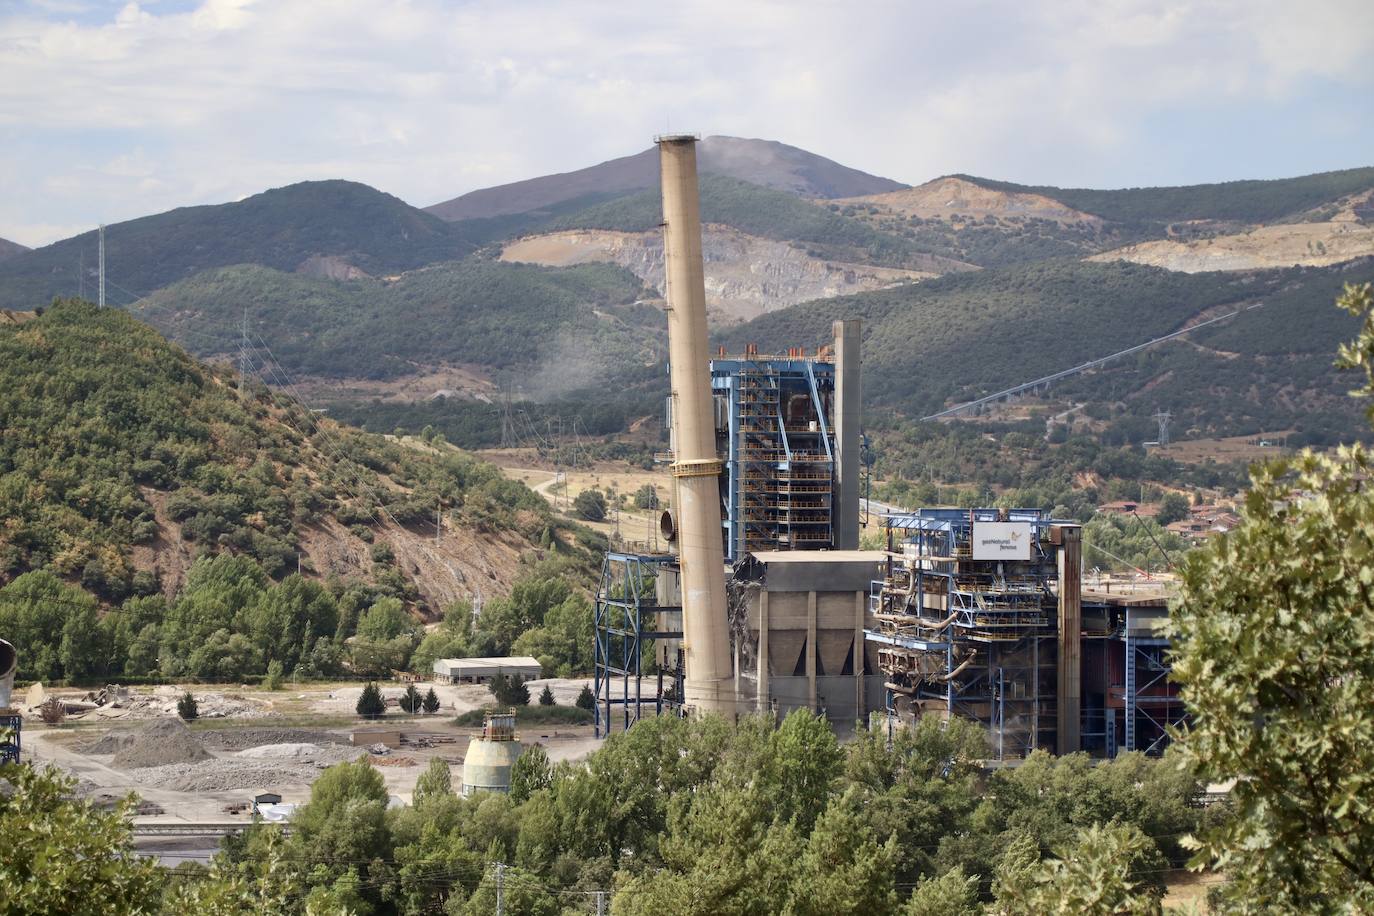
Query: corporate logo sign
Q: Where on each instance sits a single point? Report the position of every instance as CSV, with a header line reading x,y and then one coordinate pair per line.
x,y
1002,540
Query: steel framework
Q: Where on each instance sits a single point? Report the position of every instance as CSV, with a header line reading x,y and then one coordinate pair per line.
x,y
10,744
628,622
1151,699
773,429
965,637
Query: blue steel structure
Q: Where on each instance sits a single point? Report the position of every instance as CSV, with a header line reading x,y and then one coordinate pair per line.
x,y
628,623
776,440
970,638
10,743
1150,700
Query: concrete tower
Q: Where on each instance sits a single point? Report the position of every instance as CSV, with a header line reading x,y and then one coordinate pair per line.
x,y
709,683
847,417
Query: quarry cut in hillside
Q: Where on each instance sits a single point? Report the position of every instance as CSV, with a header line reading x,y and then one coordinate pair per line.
x,y
1289,245
746,276
946,197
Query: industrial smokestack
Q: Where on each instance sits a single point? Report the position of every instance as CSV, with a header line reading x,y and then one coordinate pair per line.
x,y
709,686
9,663
847,416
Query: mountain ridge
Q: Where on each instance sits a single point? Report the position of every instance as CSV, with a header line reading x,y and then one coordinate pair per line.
x,y
9,249
282,228
767,163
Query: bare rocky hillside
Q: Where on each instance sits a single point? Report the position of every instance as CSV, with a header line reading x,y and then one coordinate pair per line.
x,y
746,276
951,196
1288,245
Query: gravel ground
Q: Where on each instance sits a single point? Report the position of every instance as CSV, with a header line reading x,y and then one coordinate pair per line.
x,y
239,739
224,775
312,752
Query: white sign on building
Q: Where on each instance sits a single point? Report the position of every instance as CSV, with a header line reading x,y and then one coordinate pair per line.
x,y
1002,540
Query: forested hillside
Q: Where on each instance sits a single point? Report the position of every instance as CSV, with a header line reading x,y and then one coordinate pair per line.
x,y
354,225
578,322
1235,201
123,459
956,338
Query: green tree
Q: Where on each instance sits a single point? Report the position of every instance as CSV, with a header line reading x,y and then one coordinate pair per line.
x,y
951,894
273,679
431,702
341,835
66,856
1274,646
509,691
370,702
530,773
546,696
187,708
646,497
1173,508
590,505
1093,874
411,699
434,782
585,698
385,620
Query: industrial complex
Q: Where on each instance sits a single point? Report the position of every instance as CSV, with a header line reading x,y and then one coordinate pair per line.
x,y
766,603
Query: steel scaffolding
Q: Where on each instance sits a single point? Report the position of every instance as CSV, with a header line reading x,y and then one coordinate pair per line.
x,y
1151,700
965,637
628,623
773,430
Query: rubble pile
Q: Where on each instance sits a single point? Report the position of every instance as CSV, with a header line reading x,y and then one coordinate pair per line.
x,y
161,742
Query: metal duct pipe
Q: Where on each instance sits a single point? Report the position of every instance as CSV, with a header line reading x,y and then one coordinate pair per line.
x,y
9,663
846,423
709,685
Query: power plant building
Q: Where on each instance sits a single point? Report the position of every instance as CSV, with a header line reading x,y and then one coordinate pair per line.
x,y
766,604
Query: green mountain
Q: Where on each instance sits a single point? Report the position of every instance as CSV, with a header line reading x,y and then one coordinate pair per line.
x,y
573,322
10,249
328,227
1234,201
124,459
765,163
957,338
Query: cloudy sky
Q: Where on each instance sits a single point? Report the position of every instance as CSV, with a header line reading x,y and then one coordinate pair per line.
x,y
115,110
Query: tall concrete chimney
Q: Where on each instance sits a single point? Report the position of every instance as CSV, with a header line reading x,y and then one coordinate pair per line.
x,y
847,414
1069,705
709,685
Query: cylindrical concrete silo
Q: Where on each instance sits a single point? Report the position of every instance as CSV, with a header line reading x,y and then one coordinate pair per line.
x,y
491,755
709,685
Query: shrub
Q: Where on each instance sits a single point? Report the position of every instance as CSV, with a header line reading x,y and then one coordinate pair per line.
x,y
186,707
590,505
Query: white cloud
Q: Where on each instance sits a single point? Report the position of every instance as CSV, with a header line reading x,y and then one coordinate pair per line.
x,y
427,99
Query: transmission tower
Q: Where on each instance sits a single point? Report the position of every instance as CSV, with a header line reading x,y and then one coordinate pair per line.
x,y
245,364
508,439
1163,417
102,265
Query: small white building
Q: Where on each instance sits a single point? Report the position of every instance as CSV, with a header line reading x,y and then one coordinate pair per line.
x,y
483,670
